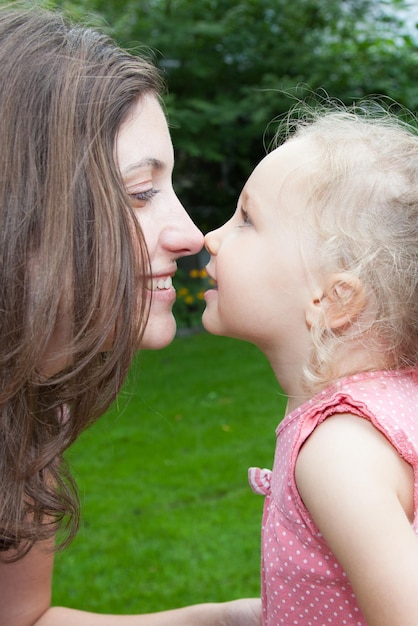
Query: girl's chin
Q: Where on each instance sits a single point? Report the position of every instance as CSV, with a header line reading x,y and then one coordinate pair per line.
x,y
209,323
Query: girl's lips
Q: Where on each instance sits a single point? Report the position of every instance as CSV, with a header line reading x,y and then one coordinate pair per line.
x,y
210,293
211,278
214,285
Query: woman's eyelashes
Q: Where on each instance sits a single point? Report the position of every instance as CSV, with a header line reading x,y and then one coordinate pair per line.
x,y
140,198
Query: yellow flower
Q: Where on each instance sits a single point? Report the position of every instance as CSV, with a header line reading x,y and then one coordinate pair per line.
x,y
200,295
189,299
183,292
203,273
194,273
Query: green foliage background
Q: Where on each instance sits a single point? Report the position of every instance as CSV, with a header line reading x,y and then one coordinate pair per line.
x,y
233,67
168,518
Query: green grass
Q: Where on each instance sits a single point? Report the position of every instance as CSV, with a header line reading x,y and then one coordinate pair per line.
x,y
168,516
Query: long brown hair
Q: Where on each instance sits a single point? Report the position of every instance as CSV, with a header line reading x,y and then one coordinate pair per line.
x,y
71,254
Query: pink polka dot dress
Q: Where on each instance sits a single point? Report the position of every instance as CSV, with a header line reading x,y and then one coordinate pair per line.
x,y
302,582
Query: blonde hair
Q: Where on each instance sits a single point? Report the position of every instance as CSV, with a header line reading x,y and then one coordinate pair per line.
x,y
69,243
364,204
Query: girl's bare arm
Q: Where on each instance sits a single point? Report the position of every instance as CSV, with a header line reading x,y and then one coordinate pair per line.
x,y
359,491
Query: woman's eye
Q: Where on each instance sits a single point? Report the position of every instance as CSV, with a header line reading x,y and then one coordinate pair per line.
x,y
140,198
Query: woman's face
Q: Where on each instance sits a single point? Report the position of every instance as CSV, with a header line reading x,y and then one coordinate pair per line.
x,y
144,153
145,157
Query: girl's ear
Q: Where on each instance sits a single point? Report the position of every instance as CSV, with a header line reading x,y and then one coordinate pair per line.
x,y
339,304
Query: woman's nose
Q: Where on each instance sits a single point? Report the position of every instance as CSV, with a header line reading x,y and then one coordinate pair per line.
x,y
182,236
195,237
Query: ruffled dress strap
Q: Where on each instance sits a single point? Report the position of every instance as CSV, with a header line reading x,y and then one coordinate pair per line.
x,y
260,480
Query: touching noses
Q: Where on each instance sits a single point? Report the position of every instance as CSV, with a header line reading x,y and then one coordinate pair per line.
x,y
212,241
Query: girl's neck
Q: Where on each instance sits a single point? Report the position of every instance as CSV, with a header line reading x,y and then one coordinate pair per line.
x,y
290,372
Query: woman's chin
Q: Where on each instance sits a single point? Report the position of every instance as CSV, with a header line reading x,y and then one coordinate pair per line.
x,y
159,333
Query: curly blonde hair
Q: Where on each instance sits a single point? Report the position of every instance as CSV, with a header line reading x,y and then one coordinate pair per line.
x,y
364,209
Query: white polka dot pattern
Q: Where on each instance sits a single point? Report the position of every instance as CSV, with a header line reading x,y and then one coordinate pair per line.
x,y
302,582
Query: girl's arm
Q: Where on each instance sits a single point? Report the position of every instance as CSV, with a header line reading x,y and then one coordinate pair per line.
x,y
359,491
25,595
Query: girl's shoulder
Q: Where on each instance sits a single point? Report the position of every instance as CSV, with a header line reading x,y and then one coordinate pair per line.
x,y
387,398
380,381
384,388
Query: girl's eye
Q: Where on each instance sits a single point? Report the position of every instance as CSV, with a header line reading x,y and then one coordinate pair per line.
x,y
245,218
140,198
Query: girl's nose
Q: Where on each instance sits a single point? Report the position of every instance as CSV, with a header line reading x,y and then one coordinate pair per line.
x,y
212,242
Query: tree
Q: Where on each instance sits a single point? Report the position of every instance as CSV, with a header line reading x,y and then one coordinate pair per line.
x,y
234,67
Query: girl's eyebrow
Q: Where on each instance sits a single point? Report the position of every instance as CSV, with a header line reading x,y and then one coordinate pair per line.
x,y
147,162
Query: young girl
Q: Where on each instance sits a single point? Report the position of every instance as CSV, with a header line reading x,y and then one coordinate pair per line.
x,y
90,231
319,268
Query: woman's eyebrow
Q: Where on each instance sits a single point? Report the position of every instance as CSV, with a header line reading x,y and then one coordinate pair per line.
x,y
147,162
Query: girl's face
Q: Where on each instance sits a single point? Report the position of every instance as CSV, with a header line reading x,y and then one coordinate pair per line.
x,y
145,156
259,258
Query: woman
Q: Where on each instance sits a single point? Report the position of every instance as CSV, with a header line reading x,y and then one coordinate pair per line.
x,y
90,233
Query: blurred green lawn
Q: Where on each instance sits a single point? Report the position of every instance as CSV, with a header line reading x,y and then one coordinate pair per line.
x,y
168,518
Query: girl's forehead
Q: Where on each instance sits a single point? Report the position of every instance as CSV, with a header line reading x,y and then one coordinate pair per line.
x,y
281,185
287,166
